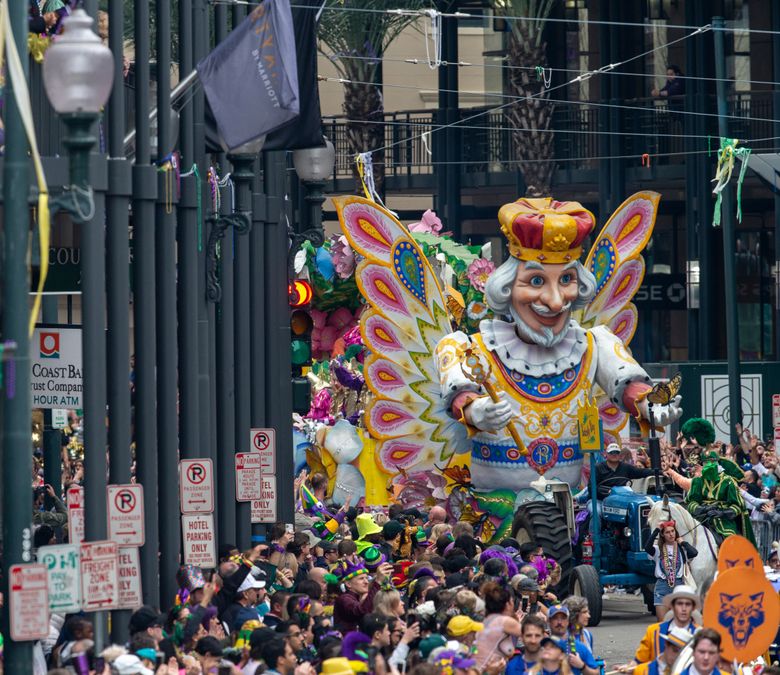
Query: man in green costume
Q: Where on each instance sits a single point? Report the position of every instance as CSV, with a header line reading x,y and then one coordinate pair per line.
x,y
714,497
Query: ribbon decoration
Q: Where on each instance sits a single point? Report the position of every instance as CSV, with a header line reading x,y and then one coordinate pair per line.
x,y
365,169
726,156
22,97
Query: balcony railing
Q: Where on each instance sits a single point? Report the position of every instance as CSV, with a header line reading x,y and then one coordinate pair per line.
x,y
651,126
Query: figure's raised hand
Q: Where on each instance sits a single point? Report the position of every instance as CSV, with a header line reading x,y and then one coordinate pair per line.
x,y
663,415
486,415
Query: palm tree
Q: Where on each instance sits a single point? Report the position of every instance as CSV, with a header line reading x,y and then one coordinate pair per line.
x,y
353,35
531,115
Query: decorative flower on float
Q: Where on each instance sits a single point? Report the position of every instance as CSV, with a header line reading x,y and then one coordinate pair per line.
x,y
429,224
343,257
478,272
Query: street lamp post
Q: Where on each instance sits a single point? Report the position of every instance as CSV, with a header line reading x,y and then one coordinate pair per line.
x,y
78,72
314,167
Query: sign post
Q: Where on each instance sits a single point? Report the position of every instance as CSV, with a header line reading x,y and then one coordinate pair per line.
x,y
130,596
197,531
264,442
126,514
29,608
75,496
99,576
263,510
196,481
62,566
248,476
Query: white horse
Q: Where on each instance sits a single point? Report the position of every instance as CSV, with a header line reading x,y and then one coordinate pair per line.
x,y
705,564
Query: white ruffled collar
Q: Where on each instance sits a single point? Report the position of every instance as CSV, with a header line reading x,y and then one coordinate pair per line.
x,y
530,359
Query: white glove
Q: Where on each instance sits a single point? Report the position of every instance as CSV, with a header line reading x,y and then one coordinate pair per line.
x,y
489,416
663,415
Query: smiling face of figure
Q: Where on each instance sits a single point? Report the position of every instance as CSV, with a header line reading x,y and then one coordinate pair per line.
x,y
542,299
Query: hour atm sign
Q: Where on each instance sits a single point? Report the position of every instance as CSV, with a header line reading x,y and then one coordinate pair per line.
x,y
196,481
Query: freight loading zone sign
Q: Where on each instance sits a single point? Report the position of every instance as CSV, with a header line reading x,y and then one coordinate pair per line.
x,y
99,576
55,368
263,510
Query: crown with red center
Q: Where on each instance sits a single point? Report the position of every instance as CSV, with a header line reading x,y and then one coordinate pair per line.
x,y
545,230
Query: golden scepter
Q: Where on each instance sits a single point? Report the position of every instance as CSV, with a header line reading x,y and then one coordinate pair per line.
x,y
475,370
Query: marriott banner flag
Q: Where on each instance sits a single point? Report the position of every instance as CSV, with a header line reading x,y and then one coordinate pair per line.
x,y
251,78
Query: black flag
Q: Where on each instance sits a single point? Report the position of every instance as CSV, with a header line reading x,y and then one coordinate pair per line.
x,y
251,78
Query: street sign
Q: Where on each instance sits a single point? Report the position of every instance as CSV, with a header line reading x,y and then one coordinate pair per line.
x,y
129,578
197,531
55,368
248,476
59,418
263,510
29,610
126,514
62,566
777,439
99,576
196,481
776,410
264,442
75,496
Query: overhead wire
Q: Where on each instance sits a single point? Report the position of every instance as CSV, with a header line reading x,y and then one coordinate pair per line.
x,y
465,15
466,64
542,95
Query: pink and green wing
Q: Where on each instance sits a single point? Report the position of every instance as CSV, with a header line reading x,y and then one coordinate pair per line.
x,y
405,319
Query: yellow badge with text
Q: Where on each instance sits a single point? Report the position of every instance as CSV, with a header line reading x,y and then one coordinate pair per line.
x,y
589,426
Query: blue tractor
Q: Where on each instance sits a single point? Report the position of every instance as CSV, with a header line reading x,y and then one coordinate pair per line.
x,y
594,552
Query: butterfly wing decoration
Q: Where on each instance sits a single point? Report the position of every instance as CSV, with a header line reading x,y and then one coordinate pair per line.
x,y
617,264
663,392
405,319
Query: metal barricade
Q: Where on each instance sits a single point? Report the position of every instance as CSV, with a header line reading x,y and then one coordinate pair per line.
x,y
765,533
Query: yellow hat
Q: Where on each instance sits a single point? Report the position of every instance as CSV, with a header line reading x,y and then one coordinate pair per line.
x,y
338,665
462,625
366,525
546,230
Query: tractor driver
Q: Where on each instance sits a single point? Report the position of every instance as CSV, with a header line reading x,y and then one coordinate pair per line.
x,y
613,472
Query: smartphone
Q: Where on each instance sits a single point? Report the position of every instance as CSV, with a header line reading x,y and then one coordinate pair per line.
x,y
524,604
289,528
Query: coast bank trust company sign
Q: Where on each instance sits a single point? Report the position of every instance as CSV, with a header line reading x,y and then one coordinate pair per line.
x,y
55,368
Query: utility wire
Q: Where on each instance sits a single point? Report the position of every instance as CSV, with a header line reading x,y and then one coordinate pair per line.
x,y
650,23
542,95
465,64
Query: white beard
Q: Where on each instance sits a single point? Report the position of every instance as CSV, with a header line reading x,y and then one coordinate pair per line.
x,y
544,338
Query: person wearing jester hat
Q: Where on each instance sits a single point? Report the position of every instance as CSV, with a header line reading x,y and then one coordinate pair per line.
x,y
544,363
326,524
714,497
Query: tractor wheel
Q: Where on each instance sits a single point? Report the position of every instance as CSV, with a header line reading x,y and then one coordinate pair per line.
x,y
585,582
648,595
542,523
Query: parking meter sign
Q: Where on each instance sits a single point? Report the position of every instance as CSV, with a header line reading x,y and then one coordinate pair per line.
x,y
62,566
196,482
29,602
264,442
126,514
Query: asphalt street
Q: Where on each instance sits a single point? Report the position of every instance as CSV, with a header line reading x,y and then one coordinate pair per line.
x,y
623,623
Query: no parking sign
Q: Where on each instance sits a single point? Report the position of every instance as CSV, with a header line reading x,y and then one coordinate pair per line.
x,y
196,479
264,442
126,514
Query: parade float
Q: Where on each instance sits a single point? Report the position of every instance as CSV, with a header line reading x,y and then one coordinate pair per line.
x,y
441,379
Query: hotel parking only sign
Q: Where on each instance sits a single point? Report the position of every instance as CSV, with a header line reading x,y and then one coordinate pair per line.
x,y
55,368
